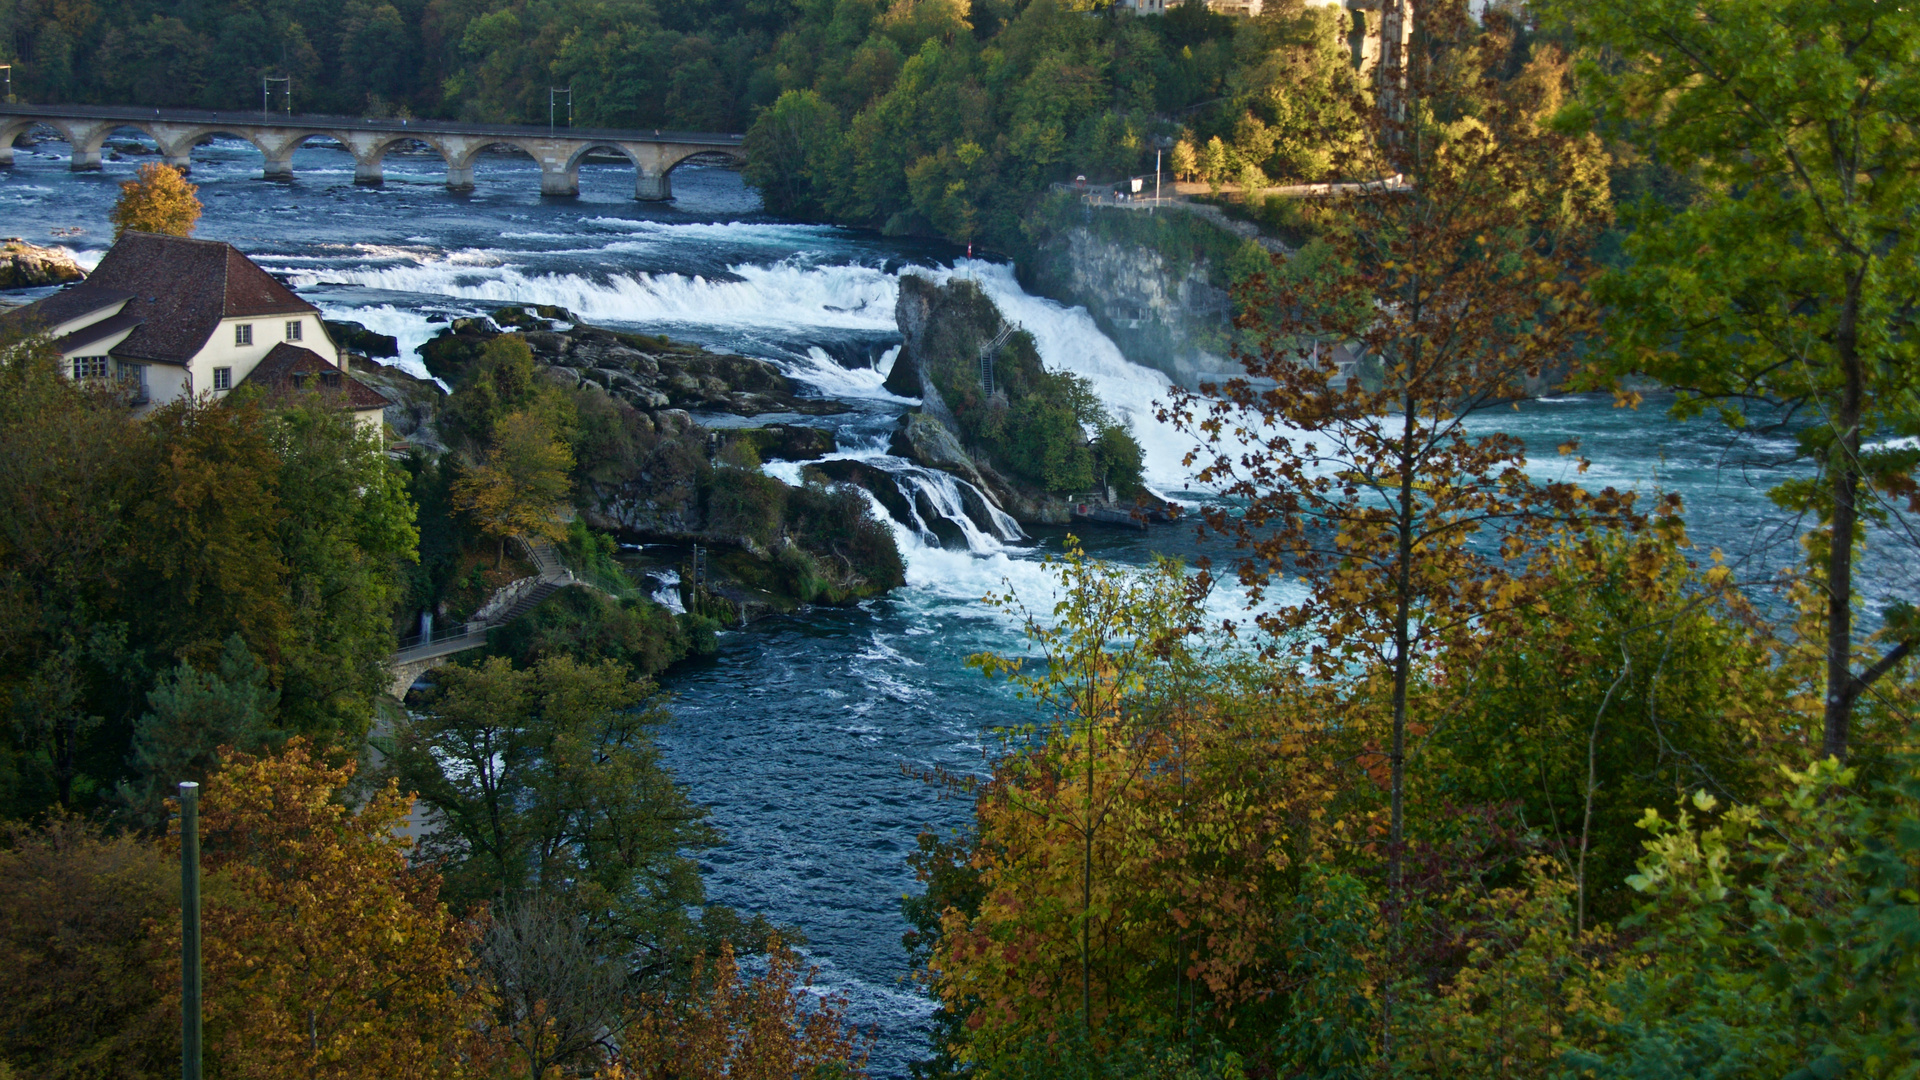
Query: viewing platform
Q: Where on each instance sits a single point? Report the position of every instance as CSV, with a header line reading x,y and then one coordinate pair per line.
x,y
558,151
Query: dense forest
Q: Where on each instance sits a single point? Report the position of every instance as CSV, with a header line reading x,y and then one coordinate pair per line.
x,y
928,116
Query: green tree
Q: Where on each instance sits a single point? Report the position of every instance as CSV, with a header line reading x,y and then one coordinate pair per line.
x,y
195,715
546,779
794,155
1794,276
1183,162
159,201
1779,939
1216,164
347,535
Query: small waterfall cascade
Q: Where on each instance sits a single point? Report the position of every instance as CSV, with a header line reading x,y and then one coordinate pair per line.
x,y
941,504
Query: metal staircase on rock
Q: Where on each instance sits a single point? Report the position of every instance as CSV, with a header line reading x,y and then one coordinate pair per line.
x,y
987,353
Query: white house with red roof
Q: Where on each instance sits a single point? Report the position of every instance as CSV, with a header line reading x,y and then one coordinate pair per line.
x,y
168,317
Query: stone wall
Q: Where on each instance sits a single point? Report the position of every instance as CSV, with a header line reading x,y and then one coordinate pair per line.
x,y
1164,311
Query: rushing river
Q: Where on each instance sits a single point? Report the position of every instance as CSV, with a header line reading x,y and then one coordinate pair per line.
x,y
801,733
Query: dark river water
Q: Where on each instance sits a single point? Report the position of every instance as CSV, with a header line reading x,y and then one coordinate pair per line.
x,y
801,733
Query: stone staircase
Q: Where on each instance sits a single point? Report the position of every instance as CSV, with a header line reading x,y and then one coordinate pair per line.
x,y
412,661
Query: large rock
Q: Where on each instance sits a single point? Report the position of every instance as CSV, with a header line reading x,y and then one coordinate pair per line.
x,y
646,372
27,266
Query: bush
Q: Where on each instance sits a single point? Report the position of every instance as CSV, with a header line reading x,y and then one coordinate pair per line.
x,y
744,503
589,626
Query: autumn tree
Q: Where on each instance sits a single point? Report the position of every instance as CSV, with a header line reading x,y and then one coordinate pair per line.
x,y
1141,873
1790,276
159,201
521,486
91,991
731,1027
327,954
1369,481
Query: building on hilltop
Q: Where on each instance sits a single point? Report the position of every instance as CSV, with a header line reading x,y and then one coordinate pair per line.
x,y
168,318
1161,7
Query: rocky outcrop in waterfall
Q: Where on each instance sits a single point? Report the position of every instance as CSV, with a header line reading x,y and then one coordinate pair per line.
x,y
646,470
1037,442
28,266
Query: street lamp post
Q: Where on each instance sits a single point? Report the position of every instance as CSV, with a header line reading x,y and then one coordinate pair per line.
x,y
8,68
266,82
189,931
552,93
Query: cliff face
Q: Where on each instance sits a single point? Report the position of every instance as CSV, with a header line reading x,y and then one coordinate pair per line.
x,y
1164,312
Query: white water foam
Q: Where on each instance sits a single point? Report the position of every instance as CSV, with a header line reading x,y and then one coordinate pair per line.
x,y
782,295
825,374
410,329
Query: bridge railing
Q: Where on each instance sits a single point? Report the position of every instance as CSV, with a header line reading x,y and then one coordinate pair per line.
x,y
322,122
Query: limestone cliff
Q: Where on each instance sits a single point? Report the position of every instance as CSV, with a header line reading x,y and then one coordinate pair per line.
x,y
1156,286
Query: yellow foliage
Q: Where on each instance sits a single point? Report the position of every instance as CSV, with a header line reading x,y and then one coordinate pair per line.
x,y
159,201
326,954
519,489
731,1028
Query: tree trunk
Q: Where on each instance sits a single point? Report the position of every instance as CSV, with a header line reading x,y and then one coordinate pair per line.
x,y
1397,758
1086,901
1845,469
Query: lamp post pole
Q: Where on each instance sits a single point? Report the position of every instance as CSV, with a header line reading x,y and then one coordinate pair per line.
x,y
8,68
189,931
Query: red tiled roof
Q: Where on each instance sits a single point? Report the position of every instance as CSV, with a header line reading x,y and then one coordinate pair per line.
x,y
289,368
180,289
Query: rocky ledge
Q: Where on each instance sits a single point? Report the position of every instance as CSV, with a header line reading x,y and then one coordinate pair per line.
x,y
646,372
28,266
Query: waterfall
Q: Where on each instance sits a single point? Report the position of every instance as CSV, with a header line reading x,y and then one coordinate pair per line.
x,y
944,496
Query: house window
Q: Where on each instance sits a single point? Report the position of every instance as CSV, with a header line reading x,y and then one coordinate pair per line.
x,y
243,334
223,378
89,367
330,379
293,330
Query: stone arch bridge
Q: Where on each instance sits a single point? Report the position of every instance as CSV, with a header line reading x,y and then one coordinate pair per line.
x,y
559,152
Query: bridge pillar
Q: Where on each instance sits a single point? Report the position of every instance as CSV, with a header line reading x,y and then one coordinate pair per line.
x,y
557,179
368,173
277,168
653,187
460,177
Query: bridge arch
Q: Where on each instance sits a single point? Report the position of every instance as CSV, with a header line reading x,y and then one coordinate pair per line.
x,y
278,147
672,157
177,143
12,127
83,137
370,151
